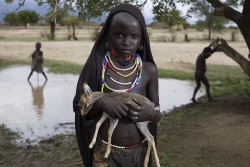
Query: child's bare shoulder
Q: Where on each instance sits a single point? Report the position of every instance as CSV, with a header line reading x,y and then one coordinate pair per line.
x,y
150,68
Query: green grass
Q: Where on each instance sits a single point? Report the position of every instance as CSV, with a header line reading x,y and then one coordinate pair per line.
x,y
223,79
63,67
9,62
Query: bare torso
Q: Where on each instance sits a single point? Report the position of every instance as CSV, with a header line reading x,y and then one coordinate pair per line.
x,y
126,132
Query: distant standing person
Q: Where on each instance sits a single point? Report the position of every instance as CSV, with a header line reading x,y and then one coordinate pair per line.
x,y
200,72
37,61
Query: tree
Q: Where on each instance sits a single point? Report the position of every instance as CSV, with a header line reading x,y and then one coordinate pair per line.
x,y
205,10
172,18
84,9
52,19
27,16
220,9
11,19
70,20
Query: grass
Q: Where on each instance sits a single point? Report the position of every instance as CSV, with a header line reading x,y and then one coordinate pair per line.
x,y
9,62
63,67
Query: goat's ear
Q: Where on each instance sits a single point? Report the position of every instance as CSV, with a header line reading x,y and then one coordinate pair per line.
x,y
217,40
86,89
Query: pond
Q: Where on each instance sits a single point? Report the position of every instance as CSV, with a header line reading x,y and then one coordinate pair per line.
x,y
39,109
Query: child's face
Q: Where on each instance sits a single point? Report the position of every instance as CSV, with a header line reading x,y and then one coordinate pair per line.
x,y
38,46
125,34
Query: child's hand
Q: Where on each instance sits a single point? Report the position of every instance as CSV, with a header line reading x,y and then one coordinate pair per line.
x,y
113,107
139,112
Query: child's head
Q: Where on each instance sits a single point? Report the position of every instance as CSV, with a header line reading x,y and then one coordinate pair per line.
x,y
38,45
124,34
126,13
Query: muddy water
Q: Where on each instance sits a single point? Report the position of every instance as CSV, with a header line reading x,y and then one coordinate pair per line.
x,y
39,109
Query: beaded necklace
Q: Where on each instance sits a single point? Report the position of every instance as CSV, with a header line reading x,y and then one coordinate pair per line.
x,y
121,62
113,69
120,69
136,80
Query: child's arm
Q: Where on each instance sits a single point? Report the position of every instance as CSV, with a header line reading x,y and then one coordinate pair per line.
x,y
112,106
42,59
33,54
145,112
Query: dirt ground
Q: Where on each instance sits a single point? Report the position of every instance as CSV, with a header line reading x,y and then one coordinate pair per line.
x,y
219,137
178,55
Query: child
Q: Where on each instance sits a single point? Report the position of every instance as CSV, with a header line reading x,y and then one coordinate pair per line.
x,y
37,61
200,72
120,61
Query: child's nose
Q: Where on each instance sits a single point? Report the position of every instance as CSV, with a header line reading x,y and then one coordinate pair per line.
x,y
126,41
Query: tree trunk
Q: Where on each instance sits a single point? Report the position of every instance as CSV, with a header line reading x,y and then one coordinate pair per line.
x,y
223,46
69,34
209,33
52,30
74,31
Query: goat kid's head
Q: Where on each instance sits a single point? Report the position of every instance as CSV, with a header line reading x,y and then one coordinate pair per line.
x,y
85,101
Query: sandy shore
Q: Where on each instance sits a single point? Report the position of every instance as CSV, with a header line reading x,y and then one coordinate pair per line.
x,y
169,55
178,55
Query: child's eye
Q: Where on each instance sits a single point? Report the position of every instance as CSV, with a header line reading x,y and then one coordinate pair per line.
x,y
135,36
118,35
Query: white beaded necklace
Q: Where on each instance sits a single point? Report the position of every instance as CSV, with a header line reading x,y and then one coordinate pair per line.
x,y
120,69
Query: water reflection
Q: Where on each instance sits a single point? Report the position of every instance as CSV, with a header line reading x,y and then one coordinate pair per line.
x,y
38,100
174,93
48,109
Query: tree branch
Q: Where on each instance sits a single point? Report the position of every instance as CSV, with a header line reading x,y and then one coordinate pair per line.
x,y
20,5
223,46
226,11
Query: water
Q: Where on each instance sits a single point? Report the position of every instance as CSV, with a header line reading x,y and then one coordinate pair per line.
x,y
39,109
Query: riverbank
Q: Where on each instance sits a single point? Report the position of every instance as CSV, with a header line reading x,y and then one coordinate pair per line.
x,y
207,134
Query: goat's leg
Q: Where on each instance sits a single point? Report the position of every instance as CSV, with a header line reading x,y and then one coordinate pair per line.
x,y
155,153
97,127
143,126
113,124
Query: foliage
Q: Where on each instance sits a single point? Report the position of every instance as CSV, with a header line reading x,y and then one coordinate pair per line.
x,y
172,18
11,19
219,23
205,12
49,17
23,16
69,19
27,16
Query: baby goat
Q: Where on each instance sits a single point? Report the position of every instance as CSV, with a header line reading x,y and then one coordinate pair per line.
x,y
88,98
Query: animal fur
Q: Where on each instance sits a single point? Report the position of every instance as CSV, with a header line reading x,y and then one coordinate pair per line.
x,y
88,98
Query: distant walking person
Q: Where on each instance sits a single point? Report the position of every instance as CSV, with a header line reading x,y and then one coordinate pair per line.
x,y
200,72
37,61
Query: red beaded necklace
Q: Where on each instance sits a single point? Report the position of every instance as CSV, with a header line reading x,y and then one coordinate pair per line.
x,y
120,61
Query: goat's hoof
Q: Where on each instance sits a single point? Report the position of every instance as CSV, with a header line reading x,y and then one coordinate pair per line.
x,y
106,155
91,145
